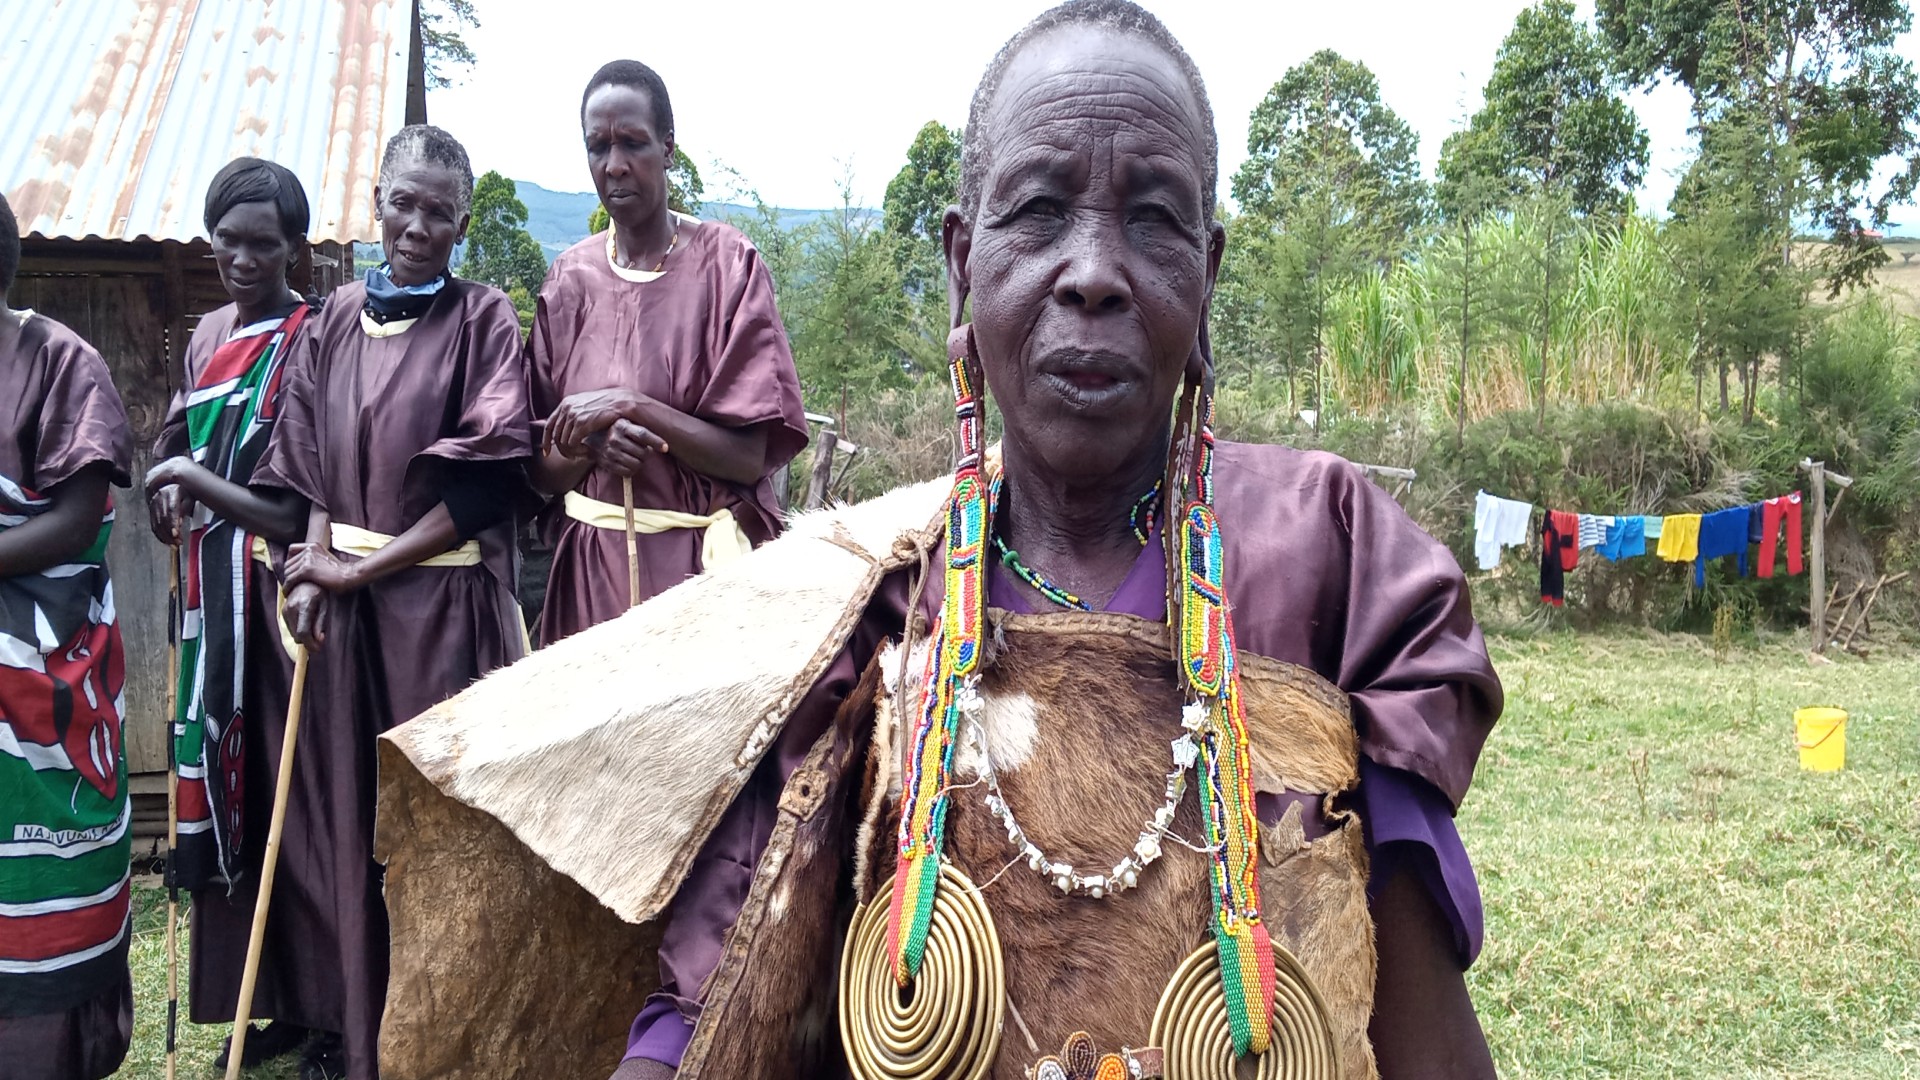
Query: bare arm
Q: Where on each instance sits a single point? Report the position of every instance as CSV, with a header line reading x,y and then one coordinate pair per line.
x,y
736,455
1424,1026
306,605
65,531
554,473
314,563
275,513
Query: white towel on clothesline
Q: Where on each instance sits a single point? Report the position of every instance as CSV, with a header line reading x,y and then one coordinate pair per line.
x,y
1498,523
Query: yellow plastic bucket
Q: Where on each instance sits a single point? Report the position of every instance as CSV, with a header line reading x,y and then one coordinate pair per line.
x,y
1822,735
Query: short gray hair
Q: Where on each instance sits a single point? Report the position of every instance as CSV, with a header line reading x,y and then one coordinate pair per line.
x,y
1121,16
422,144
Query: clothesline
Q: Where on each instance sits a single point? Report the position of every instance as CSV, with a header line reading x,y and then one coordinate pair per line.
x,y
1500,523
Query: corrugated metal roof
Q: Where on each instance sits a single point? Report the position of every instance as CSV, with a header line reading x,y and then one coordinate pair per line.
x,y
118,112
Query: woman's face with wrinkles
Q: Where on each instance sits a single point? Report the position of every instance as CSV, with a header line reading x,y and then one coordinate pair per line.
x,y
1091,257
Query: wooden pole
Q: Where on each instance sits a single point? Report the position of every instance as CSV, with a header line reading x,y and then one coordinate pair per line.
x,y
633,545
243,1009
821,478
1817,587
173,802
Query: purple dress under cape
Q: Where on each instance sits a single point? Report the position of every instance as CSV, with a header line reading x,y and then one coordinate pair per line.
x,y
1325,571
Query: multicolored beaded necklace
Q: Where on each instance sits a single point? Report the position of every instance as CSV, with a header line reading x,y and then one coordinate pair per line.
x,y
1204,643
1144,512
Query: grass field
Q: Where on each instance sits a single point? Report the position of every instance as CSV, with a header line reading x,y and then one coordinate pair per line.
x,y
1667,894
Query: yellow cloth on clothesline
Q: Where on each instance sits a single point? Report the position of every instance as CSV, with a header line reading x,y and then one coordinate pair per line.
x,y
1680,538
723,542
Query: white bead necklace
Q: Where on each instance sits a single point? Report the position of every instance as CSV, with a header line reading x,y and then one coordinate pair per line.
x,y
1124,874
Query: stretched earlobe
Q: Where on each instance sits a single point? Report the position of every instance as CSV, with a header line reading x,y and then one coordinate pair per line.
x,y
956,242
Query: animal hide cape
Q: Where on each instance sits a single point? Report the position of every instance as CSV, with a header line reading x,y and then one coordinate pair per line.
x,y
536,826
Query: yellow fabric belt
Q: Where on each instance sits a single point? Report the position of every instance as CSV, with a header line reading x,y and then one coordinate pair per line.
x,y
724,541
353,540
265,558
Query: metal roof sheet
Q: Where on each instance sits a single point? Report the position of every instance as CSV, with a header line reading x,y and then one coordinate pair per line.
x,y
118,112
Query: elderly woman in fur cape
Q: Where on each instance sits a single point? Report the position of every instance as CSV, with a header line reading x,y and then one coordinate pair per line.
x,y
1120,752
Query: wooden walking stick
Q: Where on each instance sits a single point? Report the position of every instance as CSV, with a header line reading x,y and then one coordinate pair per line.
x,y
633,548
173,800
243,1010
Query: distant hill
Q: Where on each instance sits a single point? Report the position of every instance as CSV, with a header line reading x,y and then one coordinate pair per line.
x,y
558,219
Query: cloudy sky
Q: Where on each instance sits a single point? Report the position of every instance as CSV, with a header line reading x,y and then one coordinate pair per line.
x,y
794,96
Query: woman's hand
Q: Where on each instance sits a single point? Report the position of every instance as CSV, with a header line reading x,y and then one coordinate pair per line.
x,y
586,414
625,447
307,614
312,564
167,503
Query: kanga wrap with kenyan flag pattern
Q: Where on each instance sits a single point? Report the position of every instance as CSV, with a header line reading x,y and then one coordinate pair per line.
x,y
229,417
64,823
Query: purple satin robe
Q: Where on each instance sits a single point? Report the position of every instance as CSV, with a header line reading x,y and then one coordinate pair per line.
x,y
704,338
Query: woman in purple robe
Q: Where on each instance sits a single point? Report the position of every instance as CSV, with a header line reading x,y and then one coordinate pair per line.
x,y
1085,239
657,357
66,996
227,747
404,425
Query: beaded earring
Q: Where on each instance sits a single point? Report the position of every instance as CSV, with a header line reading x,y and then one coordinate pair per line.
x,y
1204,640
951,689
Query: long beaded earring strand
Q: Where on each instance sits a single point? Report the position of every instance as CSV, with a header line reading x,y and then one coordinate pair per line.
x,y
1208,669
951,687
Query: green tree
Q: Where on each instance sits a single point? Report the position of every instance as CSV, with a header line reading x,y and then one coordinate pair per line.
x,y
499,249
1730,223
442,23
848,312
1322,143
1466,197
1553,118
685,192
1824,76
919,194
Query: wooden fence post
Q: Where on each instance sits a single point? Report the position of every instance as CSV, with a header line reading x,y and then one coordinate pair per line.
x,y
1817,584
821,476
1817,587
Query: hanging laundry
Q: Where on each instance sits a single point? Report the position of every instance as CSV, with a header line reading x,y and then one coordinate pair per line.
x,y
1651,525
1722,533
1559,552
1680,538
1593,530
1497,524
1626,539
1773,514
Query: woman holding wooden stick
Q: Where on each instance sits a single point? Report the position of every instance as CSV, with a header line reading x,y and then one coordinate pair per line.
x,y
404,425
659,365
235,669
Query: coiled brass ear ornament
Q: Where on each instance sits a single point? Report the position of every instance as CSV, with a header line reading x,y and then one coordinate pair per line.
x,y
946,1026
1190,1023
